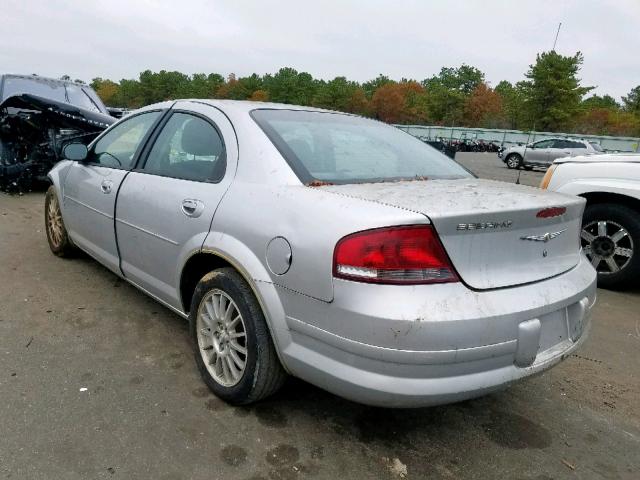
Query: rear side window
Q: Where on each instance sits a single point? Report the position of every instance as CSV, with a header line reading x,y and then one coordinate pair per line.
x,y
189,148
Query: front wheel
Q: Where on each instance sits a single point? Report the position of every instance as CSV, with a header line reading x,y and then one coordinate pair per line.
x,y
610,236
59,241
513,161
233,348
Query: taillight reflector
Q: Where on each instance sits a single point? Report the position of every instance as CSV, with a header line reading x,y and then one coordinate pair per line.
x,y
394,255
551,212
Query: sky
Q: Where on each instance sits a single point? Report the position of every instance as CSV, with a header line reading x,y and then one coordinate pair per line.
x,y
358,39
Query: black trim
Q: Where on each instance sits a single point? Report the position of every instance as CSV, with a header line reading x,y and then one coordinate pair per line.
x,y
144,154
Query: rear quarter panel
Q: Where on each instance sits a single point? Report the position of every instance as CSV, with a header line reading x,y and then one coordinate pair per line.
x,y
311,220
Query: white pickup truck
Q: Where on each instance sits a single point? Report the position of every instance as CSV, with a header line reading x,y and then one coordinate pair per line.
x,y
611,223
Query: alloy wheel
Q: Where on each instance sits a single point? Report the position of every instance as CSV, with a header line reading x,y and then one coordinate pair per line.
x,y
222,338
513,161
607,245
54,221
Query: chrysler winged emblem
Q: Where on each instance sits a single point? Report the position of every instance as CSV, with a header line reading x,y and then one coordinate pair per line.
x,y
543,238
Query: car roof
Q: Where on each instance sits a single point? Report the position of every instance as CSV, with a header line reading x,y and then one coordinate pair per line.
x,y
40,79
248,105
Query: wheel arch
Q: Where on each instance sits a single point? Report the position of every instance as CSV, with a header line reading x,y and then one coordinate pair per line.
x,y
208,259
611,197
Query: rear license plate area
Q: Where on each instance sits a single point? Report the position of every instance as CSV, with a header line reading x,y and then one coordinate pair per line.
x,y
553,329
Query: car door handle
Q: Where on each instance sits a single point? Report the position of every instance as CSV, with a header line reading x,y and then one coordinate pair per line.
x,y
106,185
192,208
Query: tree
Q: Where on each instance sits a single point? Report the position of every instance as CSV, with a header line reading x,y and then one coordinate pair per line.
x,y
335,94
552,93
371,86
289,86
464,79
447,93
483,108
106,90
259,96
399,102
632,101
597,101
512,98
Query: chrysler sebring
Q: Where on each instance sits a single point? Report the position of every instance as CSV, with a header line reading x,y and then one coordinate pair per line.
x,y
327,246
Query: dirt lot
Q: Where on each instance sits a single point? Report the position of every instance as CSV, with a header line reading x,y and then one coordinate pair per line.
x,y
97,381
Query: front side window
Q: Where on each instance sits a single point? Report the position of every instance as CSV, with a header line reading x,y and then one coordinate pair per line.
x,y
189,148
339,148
117,148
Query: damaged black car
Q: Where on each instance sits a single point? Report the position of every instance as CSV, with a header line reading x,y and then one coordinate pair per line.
x,y
38,117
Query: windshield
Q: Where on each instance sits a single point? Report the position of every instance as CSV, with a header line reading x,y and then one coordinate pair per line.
x,y
337,148
79,98
34,86
597,147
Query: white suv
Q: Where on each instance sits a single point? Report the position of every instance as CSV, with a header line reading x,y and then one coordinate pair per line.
x,y
611,223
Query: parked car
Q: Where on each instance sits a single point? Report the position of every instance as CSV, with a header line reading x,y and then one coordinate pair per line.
x,y
611,224
544,152
335,248
38,116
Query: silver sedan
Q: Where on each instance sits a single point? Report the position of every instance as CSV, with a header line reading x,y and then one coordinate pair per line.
x,y
330,247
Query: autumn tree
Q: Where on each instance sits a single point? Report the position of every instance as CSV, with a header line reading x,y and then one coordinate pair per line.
x,y
399,102
259,96
107,90
483,108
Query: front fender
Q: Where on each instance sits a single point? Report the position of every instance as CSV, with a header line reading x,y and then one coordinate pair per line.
x,y
56,176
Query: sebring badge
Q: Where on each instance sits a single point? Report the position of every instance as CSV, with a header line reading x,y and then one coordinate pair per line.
x,y
485,225
543,238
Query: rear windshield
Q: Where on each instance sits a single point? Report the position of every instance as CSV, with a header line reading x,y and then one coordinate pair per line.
x,y
337,148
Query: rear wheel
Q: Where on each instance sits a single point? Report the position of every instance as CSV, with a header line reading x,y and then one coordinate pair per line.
x,y
514,161
233,348
610,236
59,241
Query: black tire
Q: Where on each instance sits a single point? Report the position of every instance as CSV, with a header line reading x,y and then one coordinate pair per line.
x,y
59,241
263,374
513,160
627,218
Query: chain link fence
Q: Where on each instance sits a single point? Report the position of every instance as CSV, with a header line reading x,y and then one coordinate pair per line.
x,y
507,138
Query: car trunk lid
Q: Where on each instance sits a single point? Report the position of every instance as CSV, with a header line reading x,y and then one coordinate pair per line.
x,y
492,231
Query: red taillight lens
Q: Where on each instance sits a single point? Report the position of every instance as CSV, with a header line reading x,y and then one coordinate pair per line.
x,y
397,255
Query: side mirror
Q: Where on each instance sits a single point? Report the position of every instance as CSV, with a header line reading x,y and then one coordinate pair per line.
x,y
75,151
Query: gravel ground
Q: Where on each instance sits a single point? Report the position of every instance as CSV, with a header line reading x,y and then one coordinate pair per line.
x,y
98,381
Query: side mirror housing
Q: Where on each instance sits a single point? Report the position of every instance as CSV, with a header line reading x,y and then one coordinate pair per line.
x,y
75,151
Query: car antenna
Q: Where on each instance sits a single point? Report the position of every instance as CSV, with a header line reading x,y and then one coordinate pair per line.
x,y
524,154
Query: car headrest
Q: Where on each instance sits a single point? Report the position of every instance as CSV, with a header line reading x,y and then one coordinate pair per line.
x,y
200,139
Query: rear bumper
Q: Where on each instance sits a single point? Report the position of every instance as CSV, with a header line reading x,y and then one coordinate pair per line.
x,y
399,346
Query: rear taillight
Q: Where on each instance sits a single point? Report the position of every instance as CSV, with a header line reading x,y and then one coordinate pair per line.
x,y
395,255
